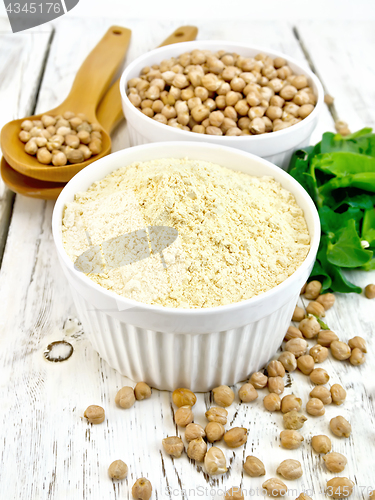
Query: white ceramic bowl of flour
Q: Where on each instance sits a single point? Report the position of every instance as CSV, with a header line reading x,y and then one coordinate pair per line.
x,y
276,147
195,348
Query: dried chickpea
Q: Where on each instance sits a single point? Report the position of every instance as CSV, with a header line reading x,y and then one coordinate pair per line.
x,y
74,155
247,393
293,420
319,353
235,437
258,380
316,309
309,326
183,397
359,343
142,489
94,414
216,414
183,416
27,125
288,360
288,92
322,393
142,391
340,350
59,159
199,129
199,113
370,291
290,469
327,300
118,470
257,126
372,495
174,446
275,369
197,449
276,385
303,496
230,112
268,123
290,403
272,402
291,439
24,136
44,156
338,394
125,397
301,98
305,364
215,462
315,407
293,333
223,395
297,346
357,357
335,462
319,376
299,313
340,427
313,289
30,147
214,431
321,444
254,467
305,110
96,145
339,487
326,337
275,487
194,431
234,493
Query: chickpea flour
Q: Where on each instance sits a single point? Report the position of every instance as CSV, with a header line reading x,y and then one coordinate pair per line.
x,y
238,235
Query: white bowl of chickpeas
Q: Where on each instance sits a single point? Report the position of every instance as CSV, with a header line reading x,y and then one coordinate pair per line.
x,y
256,100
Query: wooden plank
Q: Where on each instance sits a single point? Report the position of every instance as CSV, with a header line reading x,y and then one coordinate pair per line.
x,y
22,58
342,53
49,450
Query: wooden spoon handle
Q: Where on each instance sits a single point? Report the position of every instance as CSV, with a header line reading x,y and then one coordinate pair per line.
x,y
181,34
97,71
109,112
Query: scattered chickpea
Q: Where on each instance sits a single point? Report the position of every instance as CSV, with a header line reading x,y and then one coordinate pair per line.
x,y
319,376
313,289
142,391
326,337
340,350
254,467
183,416
94,414
275,369
235,437
288,360
276,385
359,343
125,397
258,380
290,403
214,431
321,444
322,393
335,462
309,326
305,364
293,420
299,313
327,300
223,395
339,487
197,449
328,99
194,431
340,427
183,397
297,346
174,446
303,496
234,493
357,357
370,291
142,489
118,470
338,394
272,402
215,414
315,407
247,393
319,353
316,309
290,469
291,439
215,462
275,487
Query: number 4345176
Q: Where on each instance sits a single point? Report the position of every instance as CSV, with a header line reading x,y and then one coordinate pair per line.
x,y
33,8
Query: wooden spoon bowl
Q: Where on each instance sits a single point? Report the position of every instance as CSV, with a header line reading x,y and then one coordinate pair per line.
x,y
90,84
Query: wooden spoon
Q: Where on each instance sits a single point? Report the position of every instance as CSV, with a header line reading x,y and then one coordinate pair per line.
x,y
109,114
89,86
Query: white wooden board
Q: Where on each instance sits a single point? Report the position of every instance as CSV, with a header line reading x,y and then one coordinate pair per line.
x,y
49,451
